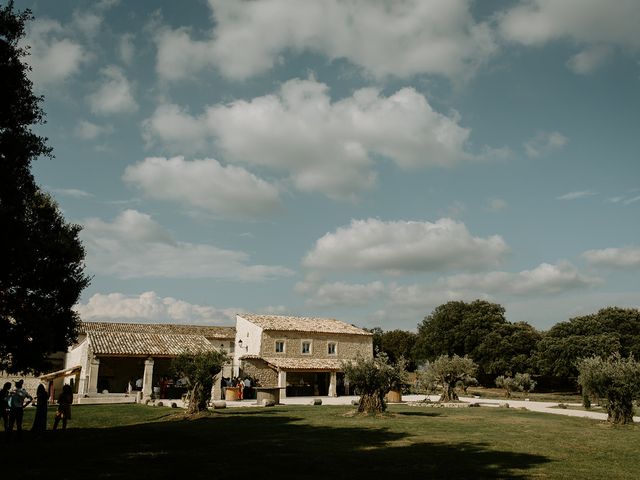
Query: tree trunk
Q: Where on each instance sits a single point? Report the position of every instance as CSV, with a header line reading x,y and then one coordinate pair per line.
x,y
620,411
197,400
449,393
372,403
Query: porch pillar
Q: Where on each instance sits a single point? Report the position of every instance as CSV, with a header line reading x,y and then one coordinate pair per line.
x,y
94,366
282,382
216,390
147,378
333,382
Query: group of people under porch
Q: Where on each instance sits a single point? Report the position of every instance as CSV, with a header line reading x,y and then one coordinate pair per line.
x,y
14,400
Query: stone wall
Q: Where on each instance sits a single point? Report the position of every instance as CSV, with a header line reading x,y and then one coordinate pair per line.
x,y
258,369
347,346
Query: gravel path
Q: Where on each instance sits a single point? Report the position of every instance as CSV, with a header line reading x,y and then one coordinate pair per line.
x,y
544,407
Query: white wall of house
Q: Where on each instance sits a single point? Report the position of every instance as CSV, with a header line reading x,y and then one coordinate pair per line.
x,y
251,336
79,355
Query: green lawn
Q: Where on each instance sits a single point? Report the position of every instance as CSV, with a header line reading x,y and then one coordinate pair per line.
x,y
126,441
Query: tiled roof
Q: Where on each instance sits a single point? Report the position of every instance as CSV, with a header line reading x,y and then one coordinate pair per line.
x,y
134,343
303,324
158,328
300,363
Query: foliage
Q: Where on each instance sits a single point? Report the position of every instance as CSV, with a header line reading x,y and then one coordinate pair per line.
x,y
477,329
199,370
41,272
616,380
373,378
600,334
396,344
447,372
521,381
524,382
506,383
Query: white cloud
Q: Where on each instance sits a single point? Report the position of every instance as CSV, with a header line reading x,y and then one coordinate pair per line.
x,y
72,192
577,195
534,22
589,60
324,146
136,246
86,130
150,307
115,94
544,279
126,48
404,246
87,23
341,293
544,142
205,184
54,57
624,257
401,38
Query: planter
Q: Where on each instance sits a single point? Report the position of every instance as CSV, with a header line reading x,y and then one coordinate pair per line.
x,y
232,394
394,396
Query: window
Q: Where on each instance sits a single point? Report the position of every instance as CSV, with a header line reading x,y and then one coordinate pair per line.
x,y
306,347
331,348
279,346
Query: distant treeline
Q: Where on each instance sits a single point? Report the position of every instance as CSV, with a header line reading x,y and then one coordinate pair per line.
x,y
480,330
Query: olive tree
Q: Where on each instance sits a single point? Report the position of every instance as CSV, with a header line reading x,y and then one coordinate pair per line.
x,y
373,378
199,369
616,380
447,372
522,382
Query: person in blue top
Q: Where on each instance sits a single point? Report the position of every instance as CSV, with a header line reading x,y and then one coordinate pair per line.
x,y
17,404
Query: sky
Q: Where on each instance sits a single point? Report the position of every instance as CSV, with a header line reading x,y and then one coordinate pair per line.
x,y
359,160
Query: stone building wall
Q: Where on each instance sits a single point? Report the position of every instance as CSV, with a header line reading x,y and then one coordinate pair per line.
x,y
348,346
258,369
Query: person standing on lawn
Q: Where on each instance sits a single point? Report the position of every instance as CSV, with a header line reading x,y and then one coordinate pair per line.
x,y
40,420
64,407
4,404
16,407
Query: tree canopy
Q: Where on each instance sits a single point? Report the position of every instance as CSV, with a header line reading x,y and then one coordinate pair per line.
x,y
397,344
480,330
41,272
601,334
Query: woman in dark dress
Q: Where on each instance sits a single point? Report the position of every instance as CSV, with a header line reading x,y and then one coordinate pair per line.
x,y
40,420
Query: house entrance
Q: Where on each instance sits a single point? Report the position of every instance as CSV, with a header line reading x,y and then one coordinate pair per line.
x,y
307,384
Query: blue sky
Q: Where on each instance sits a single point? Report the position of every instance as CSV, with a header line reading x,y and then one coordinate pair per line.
x,y
361,160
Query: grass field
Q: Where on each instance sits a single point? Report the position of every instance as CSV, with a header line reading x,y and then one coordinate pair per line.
x,y
127,441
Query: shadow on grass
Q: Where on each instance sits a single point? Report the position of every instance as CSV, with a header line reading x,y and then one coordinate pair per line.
x,y
264,444
418,414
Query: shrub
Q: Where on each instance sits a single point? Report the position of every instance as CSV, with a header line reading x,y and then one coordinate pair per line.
x,y
615,380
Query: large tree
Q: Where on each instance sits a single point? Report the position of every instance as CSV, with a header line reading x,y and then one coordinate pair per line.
x,y
603,333
41,268
396,344
480,330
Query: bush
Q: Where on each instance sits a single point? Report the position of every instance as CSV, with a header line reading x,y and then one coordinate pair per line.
x,y
615,380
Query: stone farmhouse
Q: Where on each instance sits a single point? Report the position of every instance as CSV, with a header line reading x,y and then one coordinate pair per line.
x,y
107,356
303,356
